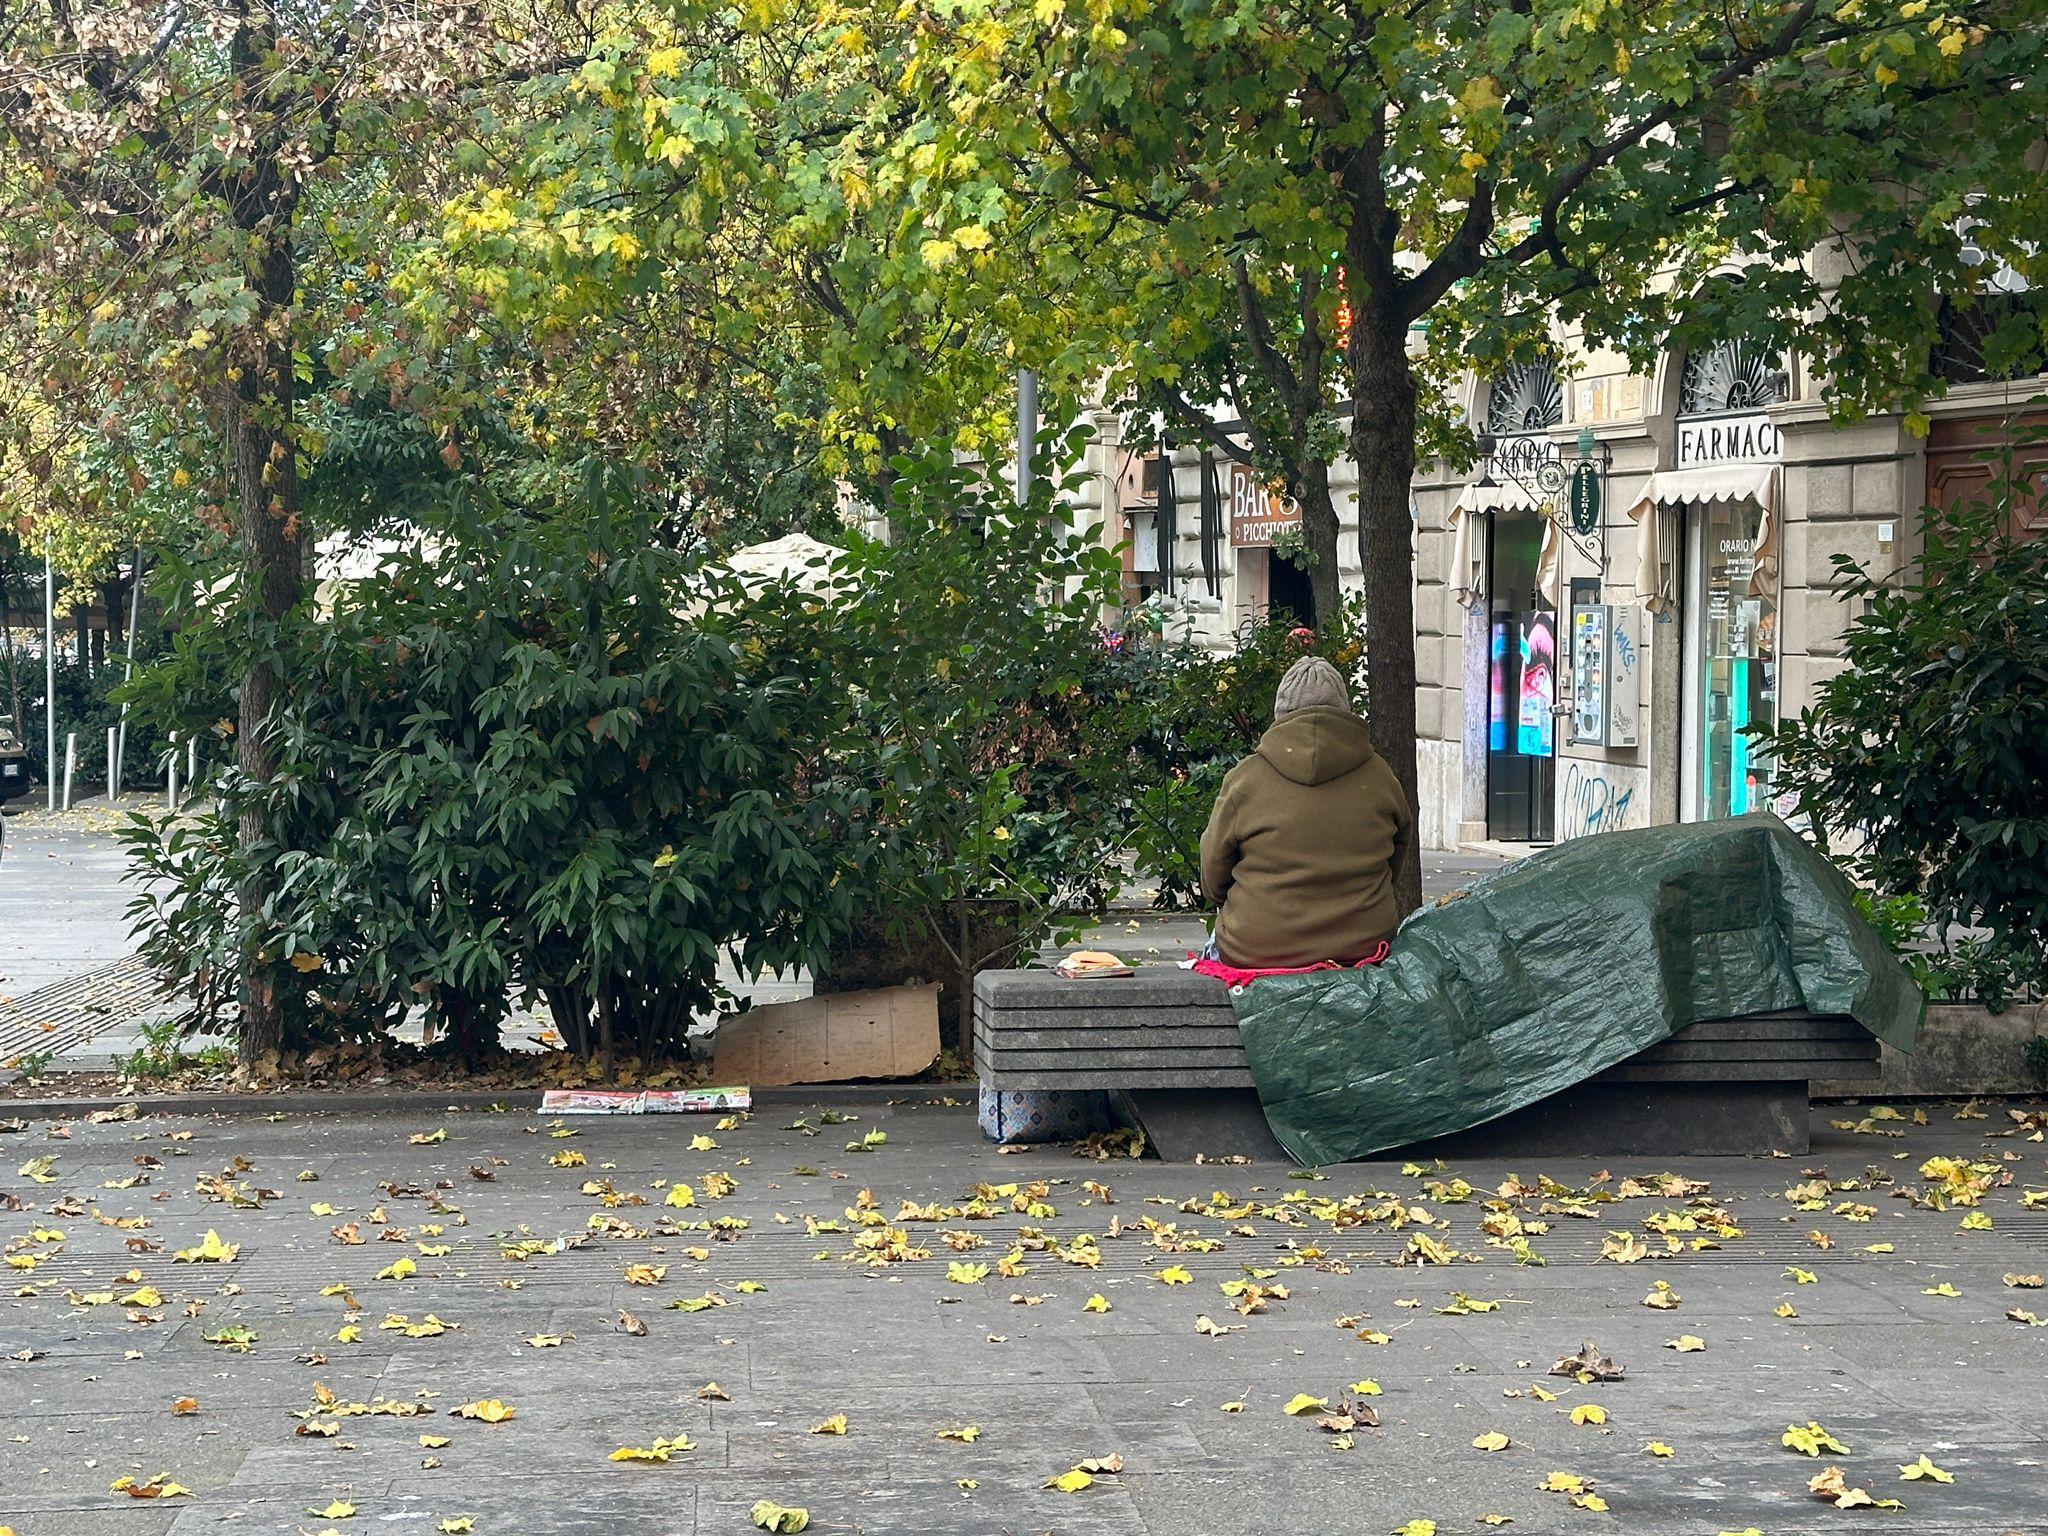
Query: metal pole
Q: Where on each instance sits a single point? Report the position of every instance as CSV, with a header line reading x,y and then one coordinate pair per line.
x,y
113,788
70,764
171,791
120,758
49,676
1027,430
191,761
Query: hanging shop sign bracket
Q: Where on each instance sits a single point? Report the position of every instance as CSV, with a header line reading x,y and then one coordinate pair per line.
x,y
1572,493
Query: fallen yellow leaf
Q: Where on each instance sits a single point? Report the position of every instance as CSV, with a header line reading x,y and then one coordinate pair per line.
x,y
1173,1274
1096,1303
210,1250
836,1425
1492,1440
1810,1440
157,1487
486,1410
1071,1481
1589,1413
1302,1403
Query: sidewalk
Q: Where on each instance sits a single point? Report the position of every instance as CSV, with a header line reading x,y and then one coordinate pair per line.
x,y
61,896
824,1283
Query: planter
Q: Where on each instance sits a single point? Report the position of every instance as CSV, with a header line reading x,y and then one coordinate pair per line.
x,y
1964,1051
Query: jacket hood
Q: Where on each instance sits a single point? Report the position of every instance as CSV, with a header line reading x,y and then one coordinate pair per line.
x,y
1314,746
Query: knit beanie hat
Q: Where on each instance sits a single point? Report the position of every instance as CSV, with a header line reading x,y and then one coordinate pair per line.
x,y
1311,683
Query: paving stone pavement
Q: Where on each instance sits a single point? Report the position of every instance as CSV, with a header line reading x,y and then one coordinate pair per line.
x,y
88,1386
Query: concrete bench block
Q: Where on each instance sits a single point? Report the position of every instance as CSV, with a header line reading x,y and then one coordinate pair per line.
x,y
1168,1040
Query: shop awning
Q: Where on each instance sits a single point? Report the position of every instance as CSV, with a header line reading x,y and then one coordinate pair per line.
x,y
1468,540
1656,516
1495,498
1469,537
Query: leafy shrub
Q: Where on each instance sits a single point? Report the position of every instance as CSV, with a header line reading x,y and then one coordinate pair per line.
x,y
967,643
537,755
1926,759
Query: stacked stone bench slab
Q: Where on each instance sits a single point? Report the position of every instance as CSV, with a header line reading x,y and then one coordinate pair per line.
x,y
1167,1040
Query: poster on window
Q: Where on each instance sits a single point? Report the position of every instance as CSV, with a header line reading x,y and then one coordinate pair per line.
x,y
1536,722
1589,673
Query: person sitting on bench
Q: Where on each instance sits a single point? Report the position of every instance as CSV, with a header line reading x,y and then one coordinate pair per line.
x,y
1308,834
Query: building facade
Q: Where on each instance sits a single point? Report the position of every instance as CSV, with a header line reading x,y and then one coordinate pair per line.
x,y
1640,570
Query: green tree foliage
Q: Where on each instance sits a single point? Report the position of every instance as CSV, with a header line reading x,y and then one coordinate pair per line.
x,y
163,172
1451,176
732,195
1926,758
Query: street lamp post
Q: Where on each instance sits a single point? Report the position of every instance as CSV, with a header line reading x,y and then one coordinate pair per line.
x,y
1027,430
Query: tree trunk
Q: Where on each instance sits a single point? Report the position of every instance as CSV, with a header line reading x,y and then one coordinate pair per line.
x,y
1383,447
266,480
1319,536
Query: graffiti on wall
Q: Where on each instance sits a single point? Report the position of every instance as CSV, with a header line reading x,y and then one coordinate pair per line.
x,y
1599,797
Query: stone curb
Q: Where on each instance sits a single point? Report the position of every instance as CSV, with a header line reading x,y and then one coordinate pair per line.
x,y
415,1101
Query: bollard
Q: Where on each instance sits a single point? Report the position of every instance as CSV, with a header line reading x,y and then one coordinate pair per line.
x,y
113,778
70,764
191,762
171,792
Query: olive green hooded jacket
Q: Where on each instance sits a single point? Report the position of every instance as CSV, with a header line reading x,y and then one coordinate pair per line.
x,y
1303,845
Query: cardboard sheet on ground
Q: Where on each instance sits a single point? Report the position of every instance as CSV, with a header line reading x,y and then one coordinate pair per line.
x,y
889,1032
1558,968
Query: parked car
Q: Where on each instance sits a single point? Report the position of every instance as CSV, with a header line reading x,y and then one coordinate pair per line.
x,y
13,761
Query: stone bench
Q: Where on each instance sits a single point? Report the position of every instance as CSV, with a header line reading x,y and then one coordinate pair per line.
x,y
1167,1040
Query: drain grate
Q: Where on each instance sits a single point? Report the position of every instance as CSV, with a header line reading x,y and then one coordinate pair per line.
x,y
54,1019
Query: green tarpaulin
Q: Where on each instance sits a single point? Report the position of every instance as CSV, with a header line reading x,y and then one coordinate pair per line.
x,y
1558,968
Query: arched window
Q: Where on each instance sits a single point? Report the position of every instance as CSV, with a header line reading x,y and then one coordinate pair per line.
x,y
1993,332
1731,376
1525,397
